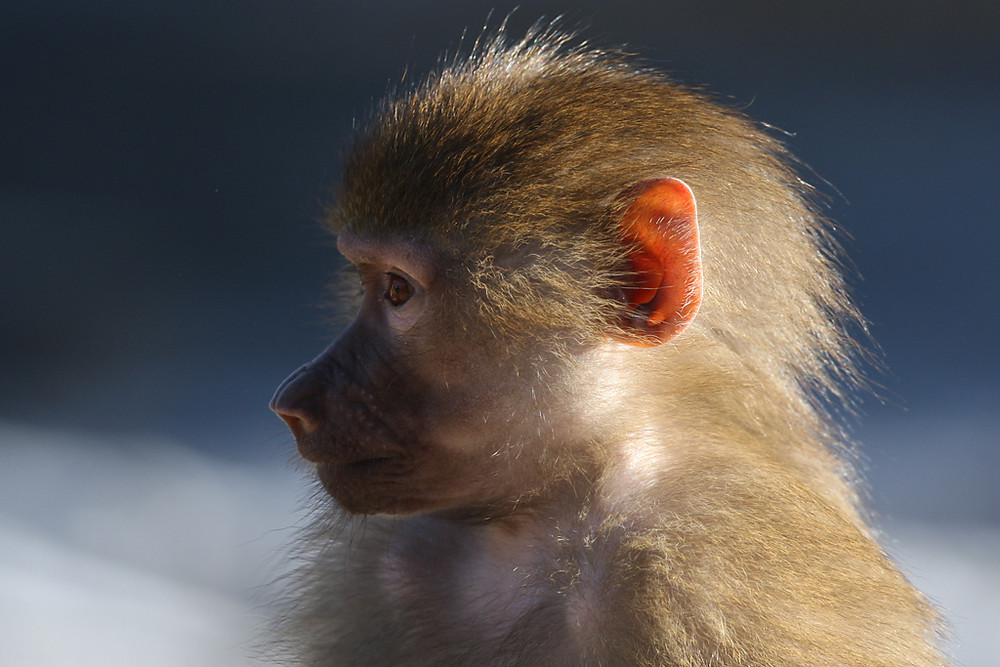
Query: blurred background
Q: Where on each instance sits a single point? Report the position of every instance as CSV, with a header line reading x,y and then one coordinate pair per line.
x,y
162,169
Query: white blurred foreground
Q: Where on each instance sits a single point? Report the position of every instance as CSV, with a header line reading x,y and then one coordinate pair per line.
x,y
129,553
135,552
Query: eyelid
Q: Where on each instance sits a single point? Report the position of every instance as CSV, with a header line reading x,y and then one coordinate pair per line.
x,y
419,260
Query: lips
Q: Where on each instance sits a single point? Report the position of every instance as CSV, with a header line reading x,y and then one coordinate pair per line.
x,y
340,473
326,451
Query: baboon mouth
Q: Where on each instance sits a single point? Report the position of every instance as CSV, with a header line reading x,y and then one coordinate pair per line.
x,y
345,470
368,464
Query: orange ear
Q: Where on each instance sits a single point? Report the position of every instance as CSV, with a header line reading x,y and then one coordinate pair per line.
x,y
661,228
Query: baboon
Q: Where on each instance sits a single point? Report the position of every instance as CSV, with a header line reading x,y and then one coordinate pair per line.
x,y
585,414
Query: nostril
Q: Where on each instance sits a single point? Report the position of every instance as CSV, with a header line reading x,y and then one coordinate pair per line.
x,y
297,402
300,422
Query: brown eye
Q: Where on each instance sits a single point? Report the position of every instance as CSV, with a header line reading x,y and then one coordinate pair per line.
x,y
399,290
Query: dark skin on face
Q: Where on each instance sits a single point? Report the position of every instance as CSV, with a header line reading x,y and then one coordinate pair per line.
x,y
360,411
396,417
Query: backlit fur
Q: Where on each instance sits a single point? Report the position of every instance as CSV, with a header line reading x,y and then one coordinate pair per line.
x,y
729,531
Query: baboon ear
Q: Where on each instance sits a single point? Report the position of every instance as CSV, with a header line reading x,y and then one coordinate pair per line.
x,y
661,229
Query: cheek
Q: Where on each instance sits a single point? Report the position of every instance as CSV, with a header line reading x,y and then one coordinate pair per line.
x,y
428,429
396,441
467,448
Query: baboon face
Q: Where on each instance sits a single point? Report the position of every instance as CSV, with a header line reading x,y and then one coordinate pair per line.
x,y
421,406
402,413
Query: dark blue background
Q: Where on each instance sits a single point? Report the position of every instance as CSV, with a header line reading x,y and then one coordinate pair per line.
x,y
162,166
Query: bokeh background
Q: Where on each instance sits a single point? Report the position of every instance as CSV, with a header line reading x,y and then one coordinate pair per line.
x,y
162,169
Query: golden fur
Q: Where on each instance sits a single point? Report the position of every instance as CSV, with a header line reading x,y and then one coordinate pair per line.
x,y
713,519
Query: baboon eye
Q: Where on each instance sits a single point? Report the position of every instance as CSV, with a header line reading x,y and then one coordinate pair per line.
x,y
399,290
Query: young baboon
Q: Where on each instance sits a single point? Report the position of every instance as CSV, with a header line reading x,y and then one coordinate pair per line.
x,y
582,415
